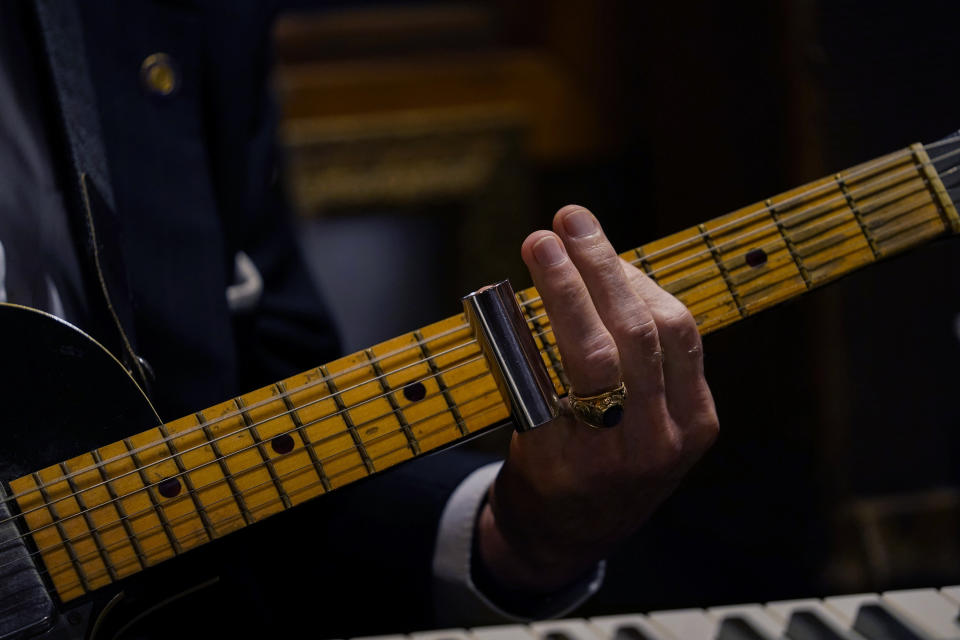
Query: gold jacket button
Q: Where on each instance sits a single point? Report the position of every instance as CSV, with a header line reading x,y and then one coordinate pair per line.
x,y
159,75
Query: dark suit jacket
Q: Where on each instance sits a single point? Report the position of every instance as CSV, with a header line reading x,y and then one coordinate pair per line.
x,y
164,190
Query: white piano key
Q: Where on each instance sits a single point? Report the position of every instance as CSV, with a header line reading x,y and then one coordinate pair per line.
x,y
926,609
753,613
502,632
388,637
572,629
441,634
952,593
849,606
608,626
688,624
783,609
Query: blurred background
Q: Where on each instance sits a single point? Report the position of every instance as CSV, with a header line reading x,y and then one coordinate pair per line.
x,y
426,139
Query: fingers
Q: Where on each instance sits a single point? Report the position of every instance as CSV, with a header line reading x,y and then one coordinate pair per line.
x,y
623,311
587,348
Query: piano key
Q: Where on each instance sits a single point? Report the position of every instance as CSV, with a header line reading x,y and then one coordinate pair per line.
x,y
564,630
644,629
870,617
951,593
876,622
503,632
754,614
686,624
805,624
441,634
928,610
737,627
785,609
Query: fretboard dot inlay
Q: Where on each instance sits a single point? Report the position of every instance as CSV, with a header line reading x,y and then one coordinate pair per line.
x,y
169,488
283,443
415,392
756,257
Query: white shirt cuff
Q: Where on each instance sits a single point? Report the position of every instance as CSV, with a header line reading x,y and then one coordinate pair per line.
x,y
457,599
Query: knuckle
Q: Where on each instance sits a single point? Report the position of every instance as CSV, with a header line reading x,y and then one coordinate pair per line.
x,y
602,357
679,321
642,331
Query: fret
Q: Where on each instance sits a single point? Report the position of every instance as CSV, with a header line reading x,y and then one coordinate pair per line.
x,y
638,257
259,447
788,243
78,539
63,569
948,211
331,441
84,512
896,204
147,521
362,392
205,475
532,306
184,479
308,446
857,215
685,267
282,448
466,373
723,271
388,392
177,512
825,233
115,510
244,464
416,392
435,371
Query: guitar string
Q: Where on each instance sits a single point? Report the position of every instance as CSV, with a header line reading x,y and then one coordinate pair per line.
x,y
266,484
453,330
171,502
272,399
262,465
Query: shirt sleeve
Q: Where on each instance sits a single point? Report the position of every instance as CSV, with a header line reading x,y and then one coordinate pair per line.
x,y
457,599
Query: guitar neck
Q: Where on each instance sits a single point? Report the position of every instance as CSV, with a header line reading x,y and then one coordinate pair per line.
x,y
115,511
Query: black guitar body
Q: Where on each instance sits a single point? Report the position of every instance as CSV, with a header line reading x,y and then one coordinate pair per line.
x,y
63,394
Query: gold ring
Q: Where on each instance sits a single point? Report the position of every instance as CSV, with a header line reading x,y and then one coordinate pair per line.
x,y
601,410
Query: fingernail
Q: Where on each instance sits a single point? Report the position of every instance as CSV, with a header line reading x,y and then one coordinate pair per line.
x,y
579,223
548,252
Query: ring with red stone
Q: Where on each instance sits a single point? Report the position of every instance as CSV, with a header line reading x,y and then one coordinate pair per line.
x,y
601,410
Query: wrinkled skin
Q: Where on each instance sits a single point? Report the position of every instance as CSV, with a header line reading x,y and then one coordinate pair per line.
x,y
569,493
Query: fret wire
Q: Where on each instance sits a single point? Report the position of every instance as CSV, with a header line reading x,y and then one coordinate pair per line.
x,y
87,518
791,247
161,514
378,372
799,197
441,383
644,263
316,420
931,177
187,482
298,426
301,469
553,357
857,216
224,469
258,445
724,273
348,422
121,512
66,542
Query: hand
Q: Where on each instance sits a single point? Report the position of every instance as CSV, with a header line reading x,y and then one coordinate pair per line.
x,y
569,493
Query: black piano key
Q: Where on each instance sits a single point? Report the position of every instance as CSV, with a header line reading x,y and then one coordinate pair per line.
x,y
738,628
876,623
805,624
627,632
